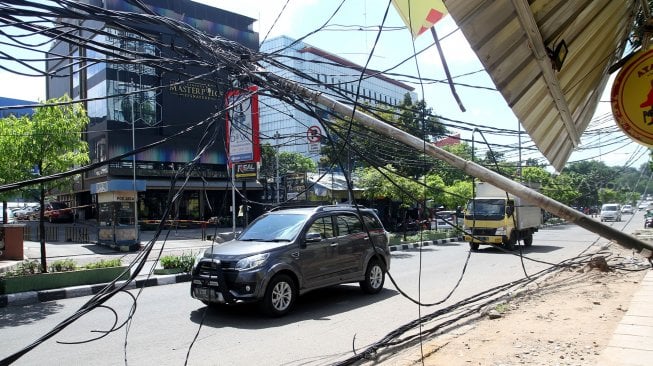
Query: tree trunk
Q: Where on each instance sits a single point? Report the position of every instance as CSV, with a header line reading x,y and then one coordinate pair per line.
x,y
44,264
5,219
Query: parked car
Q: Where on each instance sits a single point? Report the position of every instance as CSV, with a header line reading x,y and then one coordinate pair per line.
x,y
627,209
288,252
610,211
58,212
25,213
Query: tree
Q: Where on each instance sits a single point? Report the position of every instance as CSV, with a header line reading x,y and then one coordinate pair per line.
x,y
457,194
412,117
396,188
51,141
449,173
289,162
11,169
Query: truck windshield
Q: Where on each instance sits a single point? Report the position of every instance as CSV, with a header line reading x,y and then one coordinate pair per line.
x,y
484,209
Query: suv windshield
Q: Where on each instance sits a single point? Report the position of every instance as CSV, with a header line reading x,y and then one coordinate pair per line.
x,y
275,227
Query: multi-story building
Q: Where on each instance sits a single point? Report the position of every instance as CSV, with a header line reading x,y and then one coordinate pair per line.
x,y
287,127
11,102
133,105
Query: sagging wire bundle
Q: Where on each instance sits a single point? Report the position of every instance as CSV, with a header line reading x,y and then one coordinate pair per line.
x,y
217,57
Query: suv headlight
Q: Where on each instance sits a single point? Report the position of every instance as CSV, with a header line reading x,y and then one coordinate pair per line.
x,y
251,262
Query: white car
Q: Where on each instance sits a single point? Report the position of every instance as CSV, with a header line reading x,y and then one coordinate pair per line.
x,y
627,209
26,212
610,212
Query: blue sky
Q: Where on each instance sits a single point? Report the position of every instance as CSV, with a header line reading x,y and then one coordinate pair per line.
x,y
351,34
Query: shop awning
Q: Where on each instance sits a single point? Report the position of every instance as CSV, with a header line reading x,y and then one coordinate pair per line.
x,y
517,42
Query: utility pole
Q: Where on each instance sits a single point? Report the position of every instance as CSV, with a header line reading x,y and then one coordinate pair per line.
x,y
468,167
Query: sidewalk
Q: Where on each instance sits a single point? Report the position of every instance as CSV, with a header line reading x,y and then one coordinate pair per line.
x,y
632,341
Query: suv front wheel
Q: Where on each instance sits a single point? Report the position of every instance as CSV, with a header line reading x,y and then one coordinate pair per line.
x,y
279,296
374,277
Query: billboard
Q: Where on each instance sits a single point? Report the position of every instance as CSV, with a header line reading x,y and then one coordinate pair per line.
x,y
242,117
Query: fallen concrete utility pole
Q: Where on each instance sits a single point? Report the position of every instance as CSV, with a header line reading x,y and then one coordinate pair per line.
x,y
470,168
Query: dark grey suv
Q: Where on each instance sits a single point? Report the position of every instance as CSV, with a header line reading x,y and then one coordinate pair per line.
x,y
288,252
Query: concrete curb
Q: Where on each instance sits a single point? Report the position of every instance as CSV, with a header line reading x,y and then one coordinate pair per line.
x,y
408,246
32,297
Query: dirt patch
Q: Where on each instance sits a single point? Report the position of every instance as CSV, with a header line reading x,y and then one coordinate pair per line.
x,y
566,318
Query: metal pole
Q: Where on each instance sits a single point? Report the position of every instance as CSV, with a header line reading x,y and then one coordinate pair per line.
x,y
233,197
276,179
134,173
468,167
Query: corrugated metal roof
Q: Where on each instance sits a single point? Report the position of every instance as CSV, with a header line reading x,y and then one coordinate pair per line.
x,y
512,38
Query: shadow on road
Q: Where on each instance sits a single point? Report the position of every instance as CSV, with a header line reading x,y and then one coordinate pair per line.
x,y
315,305
13,316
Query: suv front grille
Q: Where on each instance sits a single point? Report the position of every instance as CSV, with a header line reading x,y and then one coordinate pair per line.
x,y
213,268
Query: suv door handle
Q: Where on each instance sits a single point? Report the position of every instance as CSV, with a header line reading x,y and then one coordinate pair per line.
x,y
333,245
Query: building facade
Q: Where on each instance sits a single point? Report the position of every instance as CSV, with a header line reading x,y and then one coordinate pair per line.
x,y
133,105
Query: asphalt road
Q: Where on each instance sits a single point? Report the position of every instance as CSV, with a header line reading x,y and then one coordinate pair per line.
x,y
169,327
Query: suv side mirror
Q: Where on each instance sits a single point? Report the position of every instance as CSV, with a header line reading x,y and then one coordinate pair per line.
x,y
313,237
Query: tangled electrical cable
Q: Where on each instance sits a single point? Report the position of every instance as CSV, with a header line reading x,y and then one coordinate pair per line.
x,y
64,21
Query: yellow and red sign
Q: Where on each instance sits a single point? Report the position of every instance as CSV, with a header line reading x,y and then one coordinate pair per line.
x,y
632,97
420,15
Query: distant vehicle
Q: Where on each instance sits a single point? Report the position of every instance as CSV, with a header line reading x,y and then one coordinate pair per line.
x,y
627,209
439,223
25,213
642,205
286,253
496,218
58,212
610,212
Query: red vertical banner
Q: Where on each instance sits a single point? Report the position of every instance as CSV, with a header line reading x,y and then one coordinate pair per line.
x,y
243,139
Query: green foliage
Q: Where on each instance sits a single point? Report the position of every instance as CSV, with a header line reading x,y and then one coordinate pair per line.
x,y
63,265
459,193
53,139
289,162
184,262
412,117
104,263
27,267
396,188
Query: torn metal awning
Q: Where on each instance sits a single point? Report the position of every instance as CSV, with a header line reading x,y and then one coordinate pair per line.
x,y
515,40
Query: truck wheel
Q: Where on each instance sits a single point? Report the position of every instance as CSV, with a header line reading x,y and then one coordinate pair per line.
x,y
510,243
528,240
474,246
279,296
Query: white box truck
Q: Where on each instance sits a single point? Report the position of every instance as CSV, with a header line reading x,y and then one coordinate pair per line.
x,y
496,218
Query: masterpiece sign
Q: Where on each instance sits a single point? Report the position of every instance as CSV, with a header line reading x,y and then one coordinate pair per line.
x,y
632,98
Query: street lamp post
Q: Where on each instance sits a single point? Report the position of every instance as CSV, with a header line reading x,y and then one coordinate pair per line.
x,y
134,170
